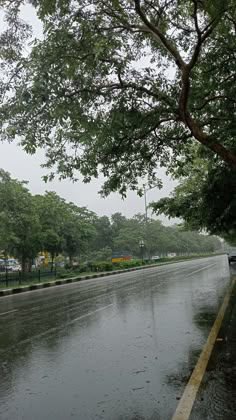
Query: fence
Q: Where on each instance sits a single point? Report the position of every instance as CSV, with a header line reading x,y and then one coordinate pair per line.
x,y
9,278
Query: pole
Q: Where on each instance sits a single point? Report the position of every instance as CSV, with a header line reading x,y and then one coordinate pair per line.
x,y
145,200
146,216
146,222
141,244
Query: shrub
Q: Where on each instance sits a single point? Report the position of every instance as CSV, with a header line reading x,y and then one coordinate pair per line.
x,y
99,266
128,264
64,274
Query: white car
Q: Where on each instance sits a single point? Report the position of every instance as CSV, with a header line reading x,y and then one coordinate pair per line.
x,y
16,267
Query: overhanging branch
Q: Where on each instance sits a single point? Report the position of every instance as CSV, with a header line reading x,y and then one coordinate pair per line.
x,y
170,47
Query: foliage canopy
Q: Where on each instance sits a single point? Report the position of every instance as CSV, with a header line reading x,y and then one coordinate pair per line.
x,y
205,199
121,86
30,224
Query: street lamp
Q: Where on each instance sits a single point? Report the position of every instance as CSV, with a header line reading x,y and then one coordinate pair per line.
x,y
145,190
141,244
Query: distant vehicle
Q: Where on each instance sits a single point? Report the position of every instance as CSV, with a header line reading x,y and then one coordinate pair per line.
x,y
232,256
16,267
155,257
10,265
61,264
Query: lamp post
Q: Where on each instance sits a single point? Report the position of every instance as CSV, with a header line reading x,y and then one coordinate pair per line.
x,y
141,244
145,190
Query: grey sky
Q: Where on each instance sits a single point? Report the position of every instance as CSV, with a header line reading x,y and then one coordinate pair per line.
x,y
22,166
26,167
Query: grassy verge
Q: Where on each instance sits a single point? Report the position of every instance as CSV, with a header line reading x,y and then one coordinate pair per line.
x,y
104,267
15,283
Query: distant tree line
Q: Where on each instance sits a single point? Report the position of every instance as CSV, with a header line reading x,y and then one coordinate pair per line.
x,y
33,223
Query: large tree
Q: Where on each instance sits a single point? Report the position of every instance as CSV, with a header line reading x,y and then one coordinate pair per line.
x,y
78,231
20,229
120,86
205,199
65,227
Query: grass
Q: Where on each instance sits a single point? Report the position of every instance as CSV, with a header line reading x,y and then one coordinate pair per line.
x,y
15,283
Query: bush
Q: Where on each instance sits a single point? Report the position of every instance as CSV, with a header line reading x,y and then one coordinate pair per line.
x,y
64,274
99,266
128,264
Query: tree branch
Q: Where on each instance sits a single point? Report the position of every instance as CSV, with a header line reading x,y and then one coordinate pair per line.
x,y
159,35
210,142
214,98
199,37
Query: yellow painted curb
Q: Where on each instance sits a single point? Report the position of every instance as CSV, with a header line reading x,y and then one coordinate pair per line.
x,y
185,405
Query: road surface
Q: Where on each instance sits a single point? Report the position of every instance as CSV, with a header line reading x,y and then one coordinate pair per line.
x,y
118,348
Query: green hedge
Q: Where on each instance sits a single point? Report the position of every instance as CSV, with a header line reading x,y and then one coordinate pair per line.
x,y
99,266
128,264
104,266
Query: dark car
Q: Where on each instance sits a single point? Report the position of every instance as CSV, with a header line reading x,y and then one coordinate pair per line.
x,y
232,257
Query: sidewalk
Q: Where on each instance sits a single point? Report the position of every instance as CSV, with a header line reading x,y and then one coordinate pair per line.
x,y
216,399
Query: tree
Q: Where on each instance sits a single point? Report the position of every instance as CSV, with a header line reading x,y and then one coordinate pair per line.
x,y
103,236
52,211
65,227
78,231
20,230
127,84
205,199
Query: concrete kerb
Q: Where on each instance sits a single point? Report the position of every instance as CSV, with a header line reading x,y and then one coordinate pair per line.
x,y
38,286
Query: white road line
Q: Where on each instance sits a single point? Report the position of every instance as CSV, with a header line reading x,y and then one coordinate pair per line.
x,y
50,330
9,312
197,271
158,285
89,313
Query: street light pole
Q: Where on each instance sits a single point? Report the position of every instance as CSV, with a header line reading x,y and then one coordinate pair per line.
x,y
145,200
146,213
141,244
145,190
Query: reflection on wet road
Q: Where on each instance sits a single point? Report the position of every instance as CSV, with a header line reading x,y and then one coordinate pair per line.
x,y
120,347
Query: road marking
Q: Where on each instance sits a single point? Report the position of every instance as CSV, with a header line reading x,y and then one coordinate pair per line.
x,y
50,330
197,271
185,405
158,285
89,313
9,312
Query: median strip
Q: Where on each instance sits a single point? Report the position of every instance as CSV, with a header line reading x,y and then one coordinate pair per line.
x,y
59,282
185,405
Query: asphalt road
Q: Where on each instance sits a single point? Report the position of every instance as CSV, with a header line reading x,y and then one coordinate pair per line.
x,y
117,348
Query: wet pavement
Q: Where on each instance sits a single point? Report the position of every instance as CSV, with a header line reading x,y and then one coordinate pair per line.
x,y
216,399
120,347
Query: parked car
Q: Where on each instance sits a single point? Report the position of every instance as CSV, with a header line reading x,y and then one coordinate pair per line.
x,y
155,257
232,256
16,267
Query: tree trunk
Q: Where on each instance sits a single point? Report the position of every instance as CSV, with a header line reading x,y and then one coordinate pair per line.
x,y
226,155
71,261
30,265
23,264
53,256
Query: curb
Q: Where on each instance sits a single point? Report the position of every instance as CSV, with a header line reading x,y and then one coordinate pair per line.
x,y
38,286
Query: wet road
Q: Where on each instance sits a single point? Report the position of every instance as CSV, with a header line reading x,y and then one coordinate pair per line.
x,y
120,347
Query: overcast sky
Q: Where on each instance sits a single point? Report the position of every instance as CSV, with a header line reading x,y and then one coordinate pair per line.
x,y
26,167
